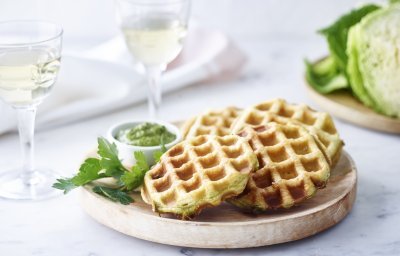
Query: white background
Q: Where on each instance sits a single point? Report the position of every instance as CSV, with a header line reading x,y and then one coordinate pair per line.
x,y
276,35
94,19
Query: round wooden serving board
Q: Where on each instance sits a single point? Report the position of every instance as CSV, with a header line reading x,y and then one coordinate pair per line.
x,y
344,106
226,226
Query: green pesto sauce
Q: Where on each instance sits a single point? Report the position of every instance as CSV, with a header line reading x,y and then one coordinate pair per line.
x,y
146,135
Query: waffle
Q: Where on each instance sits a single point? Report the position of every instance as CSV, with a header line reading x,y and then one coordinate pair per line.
x,y
291,167
319,124
216,122
199,172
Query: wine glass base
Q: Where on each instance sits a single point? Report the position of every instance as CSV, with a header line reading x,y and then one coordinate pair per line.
x,y
35,186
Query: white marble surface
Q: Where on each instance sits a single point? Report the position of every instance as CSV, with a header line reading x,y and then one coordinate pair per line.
x,y
60,227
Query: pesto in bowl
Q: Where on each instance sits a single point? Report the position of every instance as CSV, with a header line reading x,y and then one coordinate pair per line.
x,y
146,135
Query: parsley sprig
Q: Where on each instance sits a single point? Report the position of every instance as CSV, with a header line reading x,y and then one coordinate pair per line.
x,y
109,165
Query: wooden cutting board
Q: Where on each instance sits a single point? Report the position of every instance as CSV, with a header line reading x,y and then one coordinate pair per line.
x,y
226,226
344,106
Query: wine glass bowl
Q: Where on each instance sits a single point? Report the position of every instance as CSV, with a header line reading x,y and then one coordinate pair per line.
x,y
154,31
30,54
29,61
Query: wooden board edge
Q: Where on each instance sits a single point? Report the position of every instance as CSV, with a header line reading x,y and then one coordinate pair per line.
x,y
331,215
365,118
341,209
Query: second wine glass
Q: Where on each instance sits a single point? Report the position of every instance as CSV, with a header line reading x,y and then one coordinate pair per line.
x,y
154,31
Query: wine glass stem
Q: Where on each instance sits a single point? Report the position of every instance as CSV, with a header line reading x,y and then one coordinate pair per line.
x,y
26,124
154,89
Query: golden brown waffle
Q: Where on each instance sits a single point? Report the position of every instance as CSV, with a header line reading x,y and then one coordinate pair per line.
x,y
216,122
291,167
320,124
199,172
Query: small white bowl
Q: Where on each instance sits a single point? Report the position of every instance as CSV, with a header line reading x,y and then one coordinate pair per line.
x,y
126,152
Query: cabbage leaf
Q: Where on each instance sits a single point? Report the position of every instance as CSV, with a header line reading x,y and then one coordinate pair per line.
x,y
374,50
330,74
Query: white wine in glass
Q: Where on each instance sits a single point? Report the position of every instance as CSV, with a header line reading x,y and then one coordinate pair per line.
x,y
154,31
29,63
27,75
155,40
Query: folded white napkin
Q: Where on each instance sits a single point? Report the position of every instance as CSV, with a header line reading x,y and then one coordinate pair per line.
x,y
103,79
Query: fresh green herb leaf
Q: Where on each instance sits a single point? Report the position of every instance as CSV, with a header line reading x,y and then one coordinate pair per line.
x,y
337,33
89,171
113,194
141,161
109,160
109,154
109,165
134,178
157,156
64,184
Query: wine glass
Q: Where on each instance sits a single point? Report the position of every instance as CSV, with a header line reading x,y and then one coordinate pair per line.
x,y
154,31
29,63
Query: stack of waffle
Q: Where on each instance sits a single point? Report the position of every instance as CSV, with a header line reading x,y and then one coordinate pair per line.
x,y
269,156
